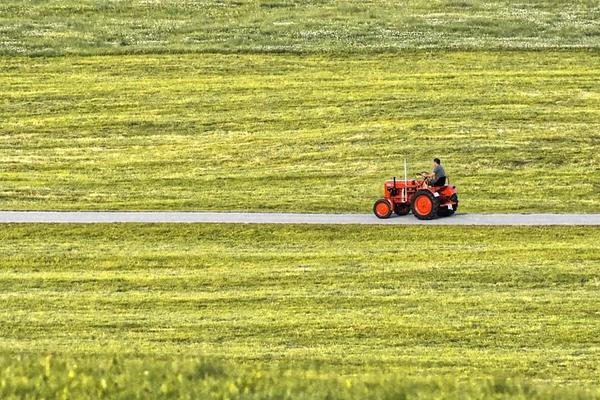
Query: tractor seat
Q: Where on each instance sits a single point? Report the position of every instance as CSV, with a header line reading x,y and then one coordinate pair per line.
x,y
439,183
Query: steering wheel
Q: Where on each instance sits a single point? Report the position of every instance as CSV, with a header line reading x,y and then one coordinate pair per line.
x,y
424,177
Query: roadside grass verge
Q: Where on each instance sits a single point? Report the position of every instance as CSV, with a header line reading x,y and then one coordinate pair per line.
x,y
375,304
517,131
145,377
59,27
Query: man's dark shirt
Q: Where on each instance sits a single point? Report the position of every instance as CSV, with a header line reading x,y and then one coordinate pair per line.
x,y
439,172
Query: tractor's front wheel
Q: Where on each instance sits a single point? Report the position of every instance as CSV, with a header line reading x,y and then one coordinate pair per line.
x,y
382,209
424,205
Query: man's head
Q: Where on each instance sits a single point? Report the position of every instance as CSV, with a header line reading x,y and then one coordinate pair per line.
x,y
436,161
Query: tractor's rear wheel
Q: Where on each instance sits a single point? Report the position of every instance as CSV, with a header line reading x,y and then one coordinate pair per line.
x,y
402,209
382,209
424,205
444,211
455,206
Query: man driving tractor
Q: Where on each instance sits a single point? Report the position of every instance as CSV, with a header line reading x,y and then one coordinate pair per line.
x,y
438,176
427,198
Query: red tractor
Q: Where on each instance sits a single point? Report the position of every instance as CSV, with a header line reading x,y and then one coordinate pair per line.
x,y
425,202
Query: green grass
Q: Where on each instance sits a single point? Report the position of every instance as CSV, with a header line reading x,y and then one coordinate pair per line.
x,y
184,105
517,131
58,27
509,308
117,377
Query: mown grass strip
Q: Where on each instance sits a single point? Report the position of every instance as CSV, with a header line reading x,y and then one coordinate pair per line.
x,y
517,131
471,302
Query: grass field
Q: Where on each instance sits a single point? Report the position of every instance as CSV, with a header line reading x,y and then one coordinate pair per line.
x,y
298,106
496,309
185,377
56,27
517,131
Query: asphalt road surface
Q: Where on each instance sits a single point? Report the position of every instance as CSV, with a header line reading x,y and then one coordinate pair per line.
x,y
85,217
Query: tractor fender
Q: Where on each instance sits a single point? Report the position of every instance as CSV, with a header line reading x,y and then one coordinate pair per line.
x,y
448,191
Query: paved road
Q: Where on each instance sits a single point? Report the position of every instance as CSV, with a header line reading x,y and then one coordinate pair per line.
x,y
284,218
